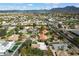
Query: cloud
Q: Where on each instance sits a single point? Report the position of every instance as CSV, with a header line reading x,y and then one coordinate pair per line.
x,y
30,4
55,6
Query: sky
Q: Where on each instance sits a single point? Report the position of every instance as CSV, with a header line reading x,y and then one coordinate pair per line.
x,y
34,6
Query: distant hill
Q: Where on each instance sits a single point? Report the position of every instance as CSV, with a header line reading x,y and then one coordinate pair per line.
x,y
67,9
24,11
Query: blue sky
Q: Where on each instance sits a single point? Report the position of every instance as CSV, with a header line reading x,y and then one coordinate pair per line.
x,y
34,6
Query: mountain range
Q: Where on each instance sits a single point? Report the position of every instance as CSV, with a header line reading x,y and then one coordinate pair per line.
x,y
67,9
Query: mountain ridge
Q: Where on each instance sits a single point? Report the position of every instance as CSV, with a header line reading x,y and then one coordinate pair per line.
x,y
67,9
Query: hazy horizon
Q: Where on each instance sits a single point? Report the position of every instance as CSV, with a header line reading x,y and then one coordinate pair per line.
x,y
34,6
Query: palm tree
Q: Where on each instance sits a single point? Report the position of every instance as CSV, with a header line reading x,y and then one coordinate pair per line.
x,y
1,20
34,25
60,37
42,28
20,36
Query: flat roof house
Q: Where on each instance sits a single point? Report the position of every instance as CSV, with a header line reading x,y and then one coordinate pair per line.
x,y
5,45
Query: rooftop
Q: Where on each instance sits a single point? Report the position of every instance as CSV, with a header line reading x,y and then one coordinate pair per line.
x,y
5,45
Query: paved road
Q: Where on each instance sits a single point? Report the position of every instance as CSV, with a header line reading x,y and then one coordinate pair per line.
x,y
55,29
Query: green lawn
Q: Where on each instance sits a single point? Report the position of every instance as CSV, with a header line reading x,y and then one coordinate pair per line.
x,y
18,43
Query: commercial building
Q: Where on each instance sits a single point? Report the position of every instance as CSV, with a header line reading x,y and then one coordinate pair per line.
x,y
5,46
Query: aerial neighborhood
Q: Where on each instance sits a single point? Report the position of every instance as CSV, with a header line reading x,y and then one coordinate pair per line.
x,y
52,33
